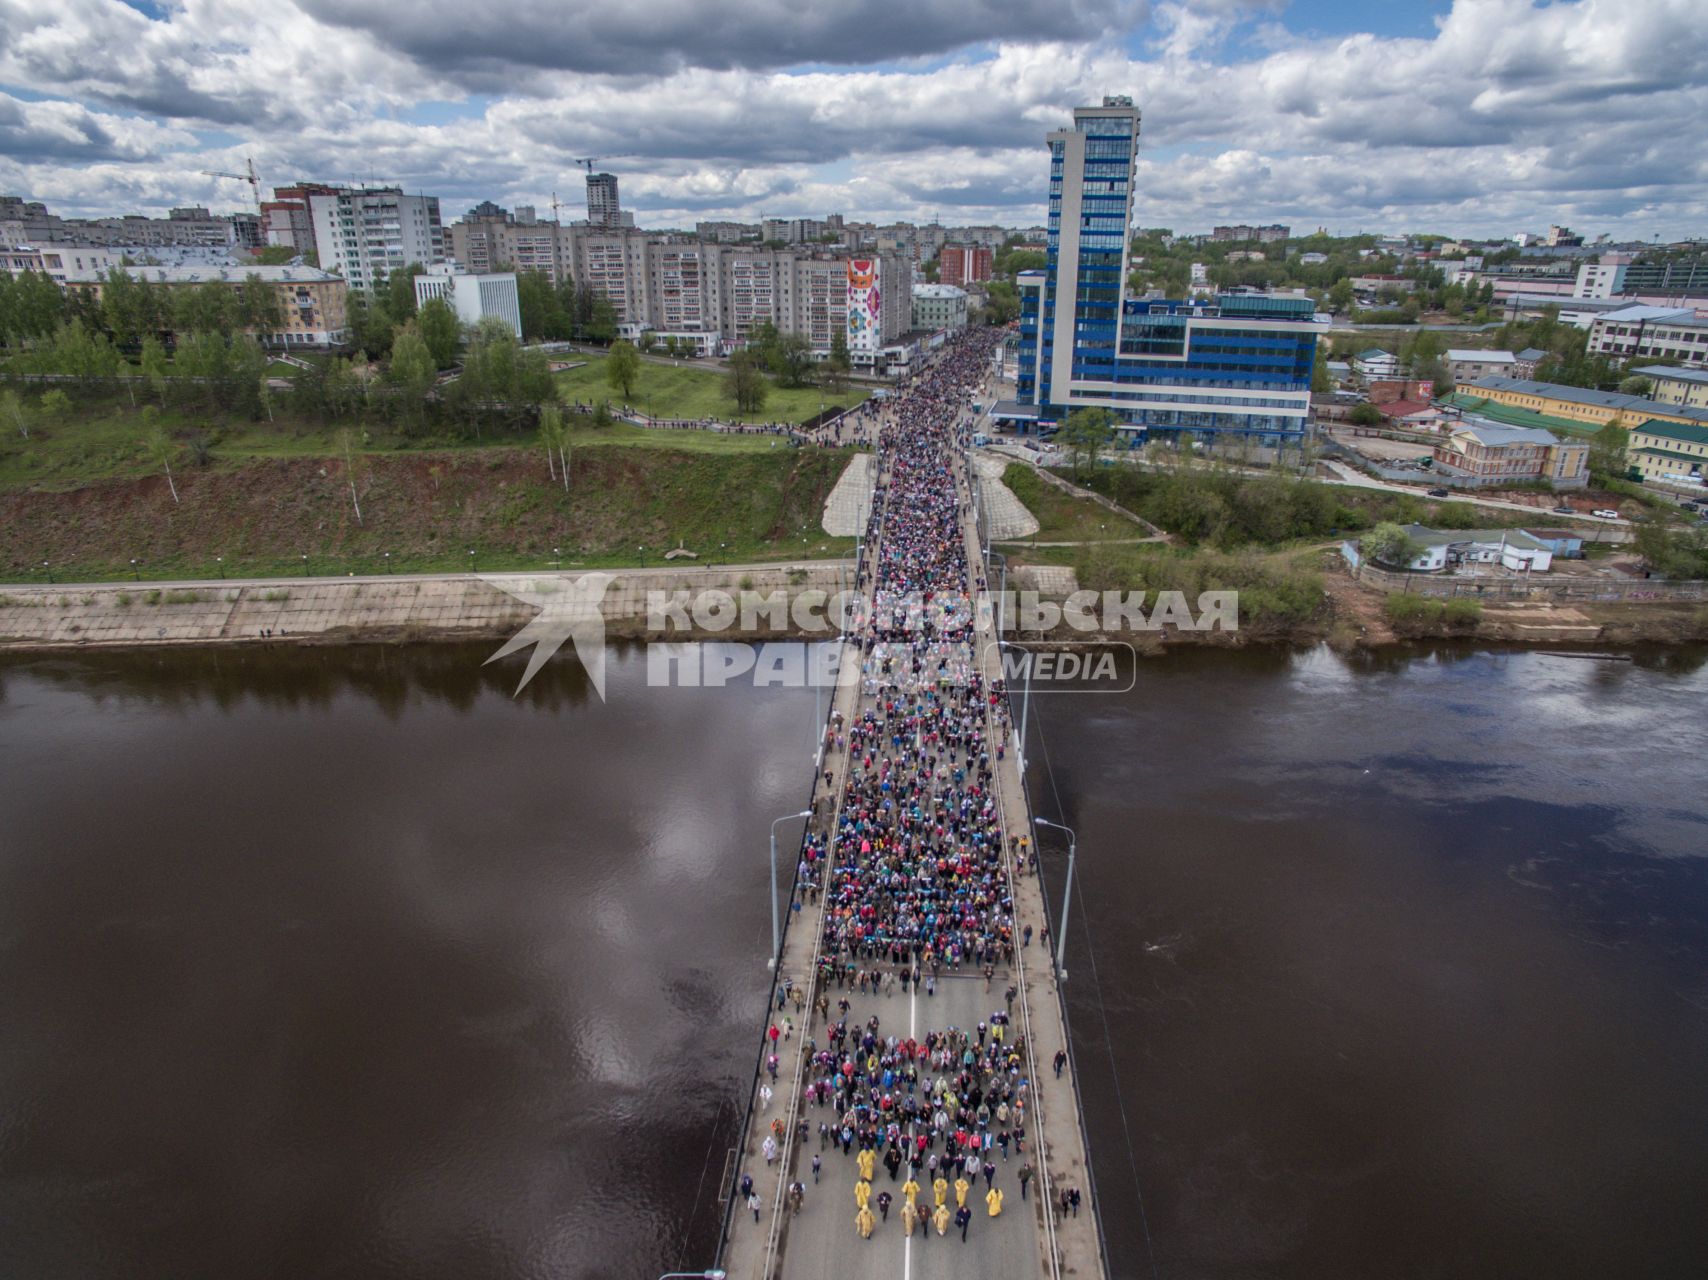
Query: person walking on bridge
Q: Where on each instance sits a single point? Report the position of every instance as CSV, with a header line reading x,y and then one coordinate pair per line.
x,y
940,1189
962,1186
864,1222
963,1216
993,1202
862,1193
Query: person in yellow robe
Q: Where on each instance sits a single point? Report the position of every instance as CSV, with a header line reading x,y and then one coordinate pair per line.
x,y
865,1160
864,1222
993,1202
962,1186
940,1219
862,1193
910,1189
940,1189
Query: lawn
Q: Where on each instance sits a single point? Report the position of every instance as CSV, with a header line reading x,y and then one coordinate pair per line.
x,y
426,511
1063,517
687,391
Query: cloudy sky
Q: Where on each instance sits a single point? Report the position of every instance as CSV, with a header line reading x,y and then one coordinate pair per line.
x,y
1465,116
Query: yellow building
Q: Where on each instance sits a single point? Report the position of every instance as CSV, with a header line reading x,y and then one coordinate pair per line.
x,y
1578,404
1670,452
311,301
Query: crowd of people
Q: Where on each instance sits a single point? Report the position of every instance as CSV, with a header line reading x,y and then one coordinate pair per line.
x,y
911,870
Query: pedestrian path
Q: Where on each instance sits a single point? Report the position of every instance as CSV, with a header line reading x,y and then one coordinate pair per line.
x,y
849,507
1006,516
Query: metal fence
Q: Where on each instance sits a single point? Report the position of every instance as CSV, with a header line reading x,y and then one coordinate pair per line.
x,y
1547,588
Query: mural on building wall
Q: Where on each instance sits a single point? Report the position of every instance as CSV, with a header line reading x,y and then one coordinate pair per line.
x,y
865,305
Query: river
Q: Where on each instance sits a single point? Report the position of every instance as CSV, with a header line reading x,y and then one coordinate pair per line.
x,y
328,963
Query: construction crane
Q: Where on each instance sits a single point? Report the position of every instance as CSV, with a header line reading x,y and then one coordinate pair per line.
x,y
588,163
252,178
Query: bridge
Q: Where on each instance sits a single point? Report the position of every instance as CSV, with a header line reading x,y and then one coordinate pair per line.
x,y
960,975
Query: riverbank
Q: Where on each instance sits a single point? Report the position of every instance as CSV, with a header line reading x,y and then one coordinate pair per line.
x,y
374,610
422,607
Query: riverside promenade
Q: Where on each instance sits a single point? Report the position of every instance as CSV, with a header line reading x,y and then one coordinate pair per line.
x,y
916,1009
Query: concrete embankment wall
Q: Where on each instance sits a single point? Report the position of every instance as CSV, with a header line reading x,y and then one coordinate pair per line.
x,y
347,609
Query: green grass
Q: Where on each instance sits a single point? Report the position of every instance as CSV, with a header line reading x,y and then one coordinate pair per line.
x,y
429,511
1063,517
685,391
103,441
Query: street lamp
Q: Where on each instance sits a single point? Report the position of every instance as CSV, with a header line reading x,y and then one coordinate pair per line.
x,y
776,923
473,567
388,562
1067,895
220,561
305,564
49,570
1025,699
133,572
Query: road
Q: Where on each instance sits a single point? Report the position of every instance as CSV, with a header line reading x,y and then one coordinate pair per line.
x,y
821,1240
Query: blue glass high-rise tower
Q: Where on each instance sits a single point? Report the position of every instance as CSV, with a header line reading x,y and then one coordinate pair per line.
x,y
1240,364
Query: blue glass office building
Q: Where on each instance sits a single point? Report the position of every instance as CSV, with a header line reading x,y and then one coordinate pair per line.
x,y
1239,364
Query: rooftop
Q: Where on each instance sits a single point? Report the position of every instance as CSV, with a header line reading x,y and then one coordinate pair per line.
x,y
208,274
1683,432
1618,402
1673,374
1497,434
1483,357
1454,537
938,291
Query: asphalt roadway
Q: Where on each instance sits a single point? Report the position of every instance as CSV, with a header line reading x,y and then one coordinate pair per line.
x,y
821,1240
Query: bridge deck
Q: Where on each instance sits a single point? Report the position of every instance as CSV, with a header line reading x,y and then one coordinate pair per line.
x,y
1030,1238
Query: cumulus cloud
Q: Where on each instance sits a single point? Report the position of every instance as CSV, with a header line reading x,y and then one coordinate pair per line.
x,y
1512,114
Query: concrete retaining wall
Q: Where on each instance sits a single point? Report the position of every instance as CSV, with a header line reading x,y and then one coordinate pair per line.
x,y
351,608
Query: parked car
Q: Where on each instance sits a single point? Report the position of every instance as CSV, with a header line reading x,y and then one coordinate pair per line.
x,y
1438,493
1605,513
1564,510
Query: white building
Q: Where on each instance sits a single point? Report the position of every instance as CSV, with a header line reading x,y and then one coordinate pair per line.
x,y
1376,363
1467,365
473,297
367,233
939,306
1654,333
60,261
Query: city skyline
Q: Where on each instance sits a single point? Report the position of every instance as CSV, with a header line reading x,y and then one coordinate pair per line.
x,y
1481,117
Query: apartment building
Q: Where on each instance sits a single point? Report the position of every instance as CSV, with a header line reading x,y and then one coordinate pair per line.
x,y
1655,333
1573,404
1467,365
603,207
311,301
1244,231
964,264
366,233
939,306
60,261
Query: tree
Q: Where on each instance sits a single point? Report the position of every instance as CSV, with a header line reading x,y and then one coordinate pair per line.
x,y
622,367
1636,385
258,307
1365,415
14,414
837,367
275,255
56,405
745,382
399,289
790,359
1087,432
1607,457
1391,545
160,446
554,435
1340,295
1322,380
541,303
411,370
154,365
130,307
440,330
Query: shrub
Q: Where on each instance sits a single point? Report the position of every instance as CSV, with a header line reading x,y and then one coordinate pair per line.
x,y
1462,611
1407,610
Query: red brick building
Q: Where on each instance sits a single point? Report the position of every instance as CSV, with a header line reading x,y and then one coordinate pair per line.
x,y
962,264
